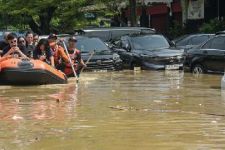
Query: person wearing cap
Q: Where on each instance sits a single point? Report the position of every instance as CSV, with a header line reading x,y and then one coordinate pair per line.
x,y
58,51
75,56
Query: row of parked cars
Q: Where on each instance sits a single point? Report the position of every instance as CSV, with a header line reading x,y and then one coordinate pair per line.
x,y
118,48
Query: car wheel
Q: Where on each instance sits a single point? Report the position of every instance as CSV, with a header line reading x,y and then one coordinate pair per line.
x,y
198,69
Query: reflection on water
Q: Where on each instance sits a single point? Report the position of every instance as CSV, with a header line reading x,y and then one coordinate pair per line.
x,y
120,110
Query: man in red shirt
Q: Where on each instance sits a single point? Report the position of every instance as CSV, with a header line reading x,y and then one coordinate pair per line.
x,y
58,51
75,56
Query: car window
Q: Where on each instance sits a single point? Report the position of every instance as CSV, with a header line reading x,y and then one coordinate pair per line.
x,y
198,40
184,41
150,42
90,44
215,43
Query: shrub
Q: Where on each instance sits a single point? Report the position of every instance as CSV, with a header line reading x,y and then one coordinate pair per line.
x,y
213,26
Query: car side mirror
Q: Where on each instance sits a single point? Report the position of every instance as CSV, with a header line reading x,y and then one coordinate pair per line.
x,y
127,47
173,43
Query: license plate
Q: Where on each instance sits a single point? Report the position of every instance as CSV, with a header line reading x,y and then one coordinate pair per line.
x,y
172,67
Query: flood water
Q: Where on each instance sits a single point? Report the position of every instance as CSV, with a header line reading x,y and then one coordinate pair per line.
x,y
116,111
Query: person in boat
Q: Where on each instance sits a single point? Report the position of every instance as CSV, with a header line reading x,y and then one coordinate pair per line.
x,y
36,39
29,43
43,52
13,47
21,41
4,43
58,51
75,56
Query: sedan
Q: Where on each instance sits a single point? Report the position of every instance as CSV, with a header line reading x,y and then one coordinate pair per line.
x,y
209,57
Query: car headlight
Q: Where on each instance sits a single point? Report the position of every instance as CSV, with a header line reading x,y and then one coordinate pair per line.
x,y
179,57
116,56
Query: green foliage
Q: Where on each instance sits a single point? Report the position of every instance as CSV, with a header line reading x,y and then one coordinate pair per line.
x,y
45,16
213,26
176,30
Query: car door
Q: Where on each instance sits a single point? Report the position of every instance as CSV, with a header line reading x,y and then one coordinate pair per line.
x,y
214,50
126,54
198,40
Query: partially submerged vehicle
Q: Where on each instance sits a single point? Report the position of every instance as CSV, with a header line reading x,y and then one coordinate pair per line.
x,y
103,58
207,58
151,51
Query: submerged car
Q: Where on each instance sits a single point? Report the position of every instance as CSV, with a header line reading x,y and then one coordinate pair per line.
x,y
103,57
209,57
187,42
151,51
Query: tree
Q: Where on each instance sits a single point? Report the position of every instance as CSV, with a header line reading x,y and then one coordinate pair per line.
x,y
39,14
133,12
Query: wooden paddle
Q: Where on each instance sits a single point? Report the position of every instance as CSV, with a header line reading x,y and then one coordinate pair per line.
x,y
71,63
92,53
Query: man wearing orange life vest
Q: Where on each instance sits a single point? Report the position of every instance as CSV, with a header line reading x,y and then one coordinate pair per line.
x,y
75,56
58,51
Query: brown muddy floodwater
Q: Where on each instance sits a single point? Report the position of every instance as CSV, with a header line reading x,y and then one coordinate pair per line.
x,y
116,111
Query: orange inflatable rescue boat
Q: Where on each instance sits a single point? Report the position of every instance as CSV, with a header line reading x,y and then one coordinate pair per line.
x,y
19,71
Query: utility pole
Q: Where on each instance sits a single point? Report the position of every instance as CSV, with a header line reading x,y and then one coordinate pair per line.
x,y
184,5
133,17
218,9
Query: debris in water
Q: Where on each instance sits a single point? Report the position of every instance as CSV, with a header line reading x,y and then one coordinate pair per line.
x,y
57,100
17,117
214,122
157,101
17,100
125,108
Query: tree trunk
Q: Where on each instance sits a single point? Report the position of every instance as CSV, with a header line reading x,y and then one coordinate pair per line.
x,y
33,25
133,17
45,17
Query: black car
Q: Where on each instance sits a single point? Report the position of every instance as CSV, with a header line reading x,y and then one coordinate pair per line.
x,y
113,33
103,57
209,57
151,51
187,42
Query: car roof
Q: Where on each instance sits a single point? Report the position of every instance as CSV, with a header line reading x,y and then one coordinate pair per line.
x,y
143,34
191,35
117,28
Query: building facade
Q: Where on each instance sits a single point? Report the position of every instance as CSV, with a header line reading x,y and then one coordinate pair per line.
x,y
160,14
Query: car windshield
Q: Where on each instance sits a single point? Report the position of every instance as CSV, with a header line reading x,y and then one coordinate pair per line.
x,y
150,42
90,44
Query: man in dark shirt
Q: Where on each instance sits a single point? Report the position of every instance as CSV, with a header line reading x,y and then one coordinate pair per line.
x,y
29,43
4,42
13,47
